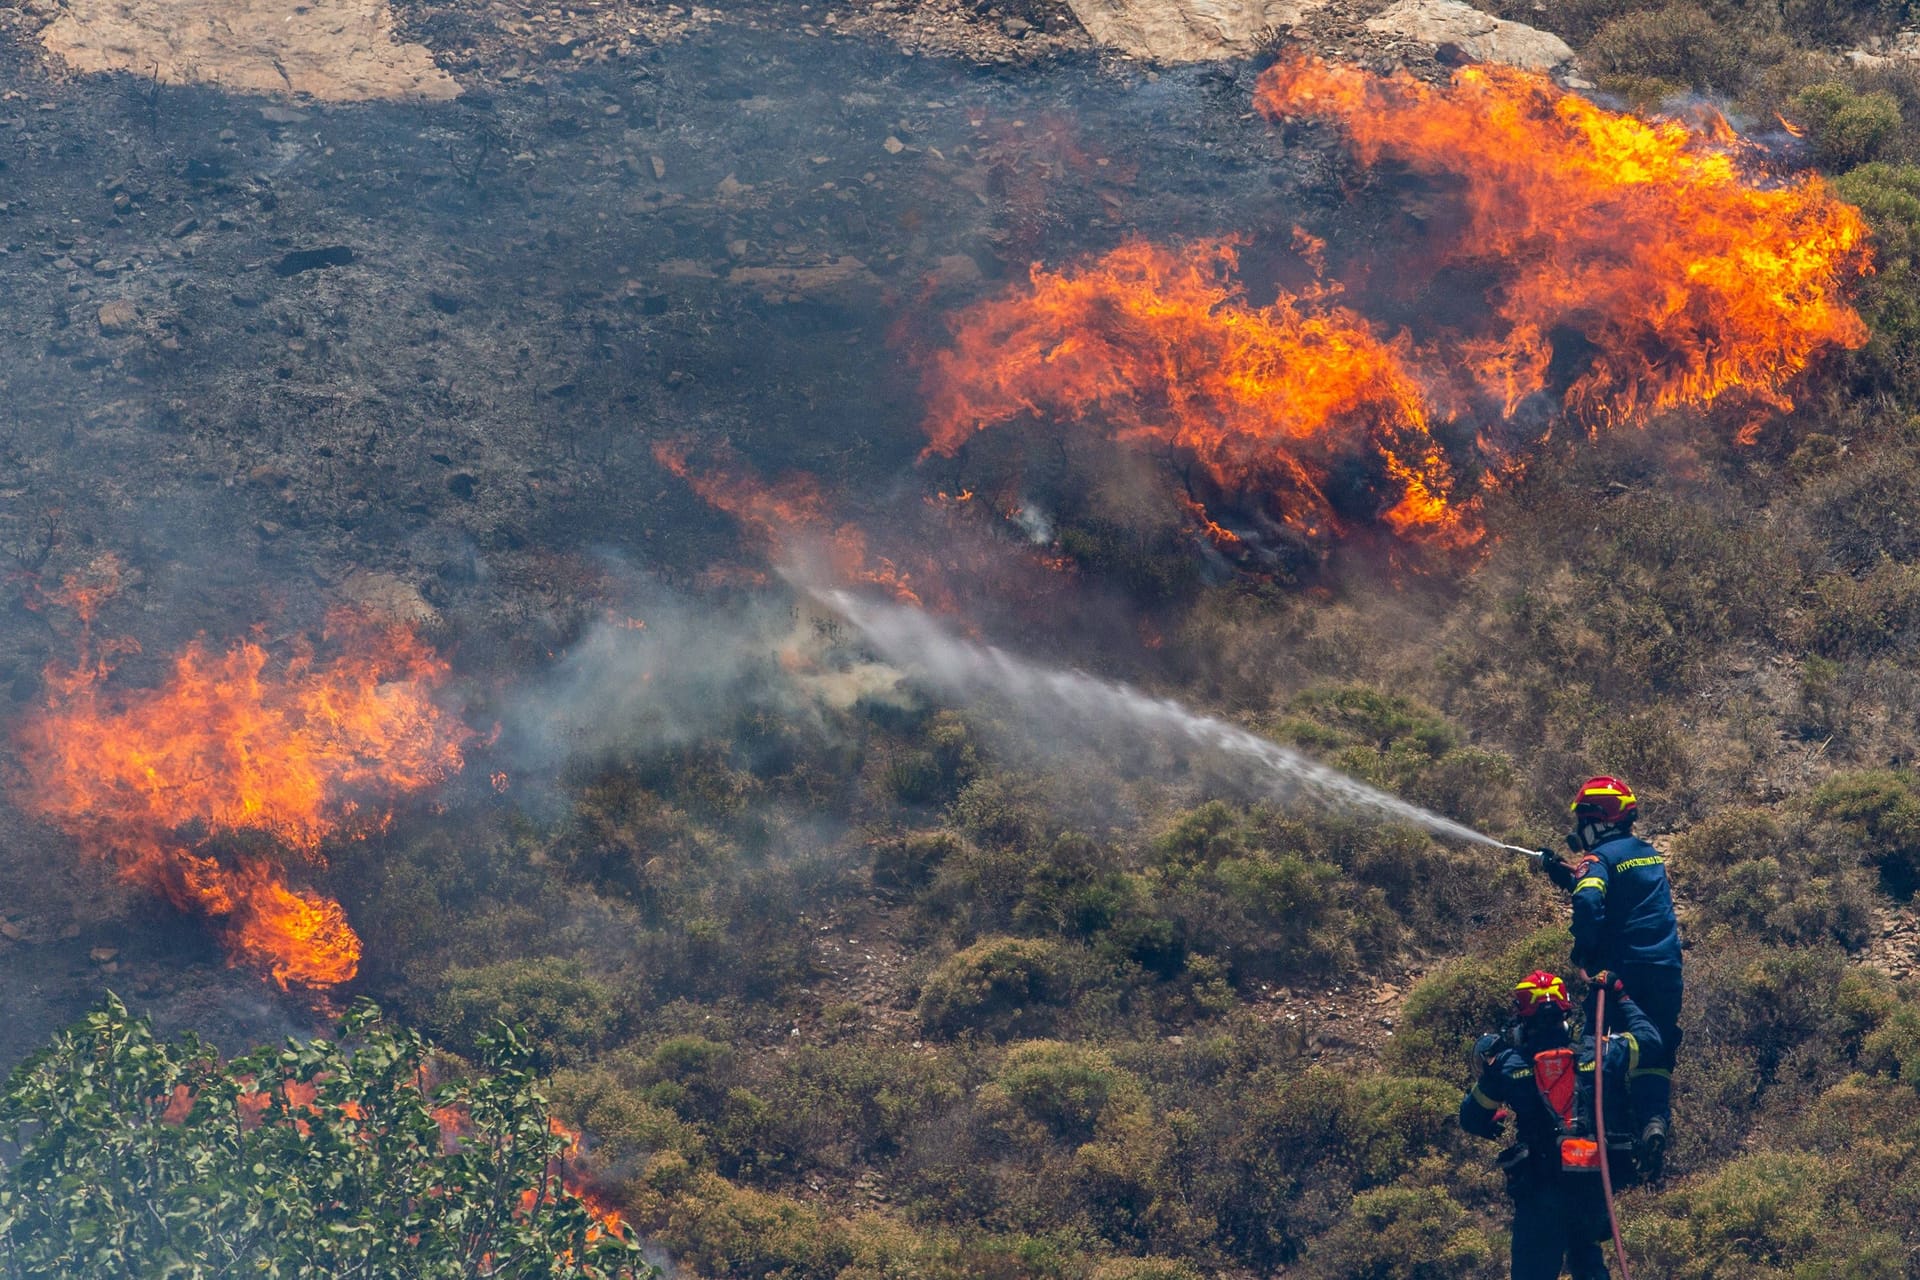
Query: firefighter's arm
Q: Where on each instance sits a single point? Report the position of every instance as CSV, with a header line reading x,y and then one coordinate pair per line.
x,y
1590,913
1483,1108
1641,1039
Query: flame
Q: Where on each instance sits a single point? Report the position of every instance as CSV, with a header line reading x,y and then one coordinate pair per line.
x,y
1156,346
788,516
236,741
1686,272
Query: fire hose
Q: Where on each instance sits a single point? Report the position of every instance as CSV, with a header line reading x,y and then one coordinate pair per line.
x,y
1600,1123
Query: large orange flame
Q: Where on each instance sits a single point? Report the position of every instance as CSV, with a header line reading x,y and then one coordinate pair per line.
x,y
1687,273
237,741
1150,345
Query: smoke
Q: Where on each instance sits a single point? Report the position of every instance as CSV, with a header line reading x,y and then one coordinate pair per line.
x,y
663,671
1074,708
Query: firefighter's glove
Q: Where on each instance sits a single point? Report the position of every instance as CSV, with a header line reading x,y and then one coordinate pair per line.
x,y
1555,870
1486,1048
1608,981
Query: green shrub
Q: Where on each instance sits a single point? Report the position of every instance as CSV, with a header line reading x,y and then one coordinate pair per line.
x,y
1848,128
1000,986
1401,1233
1853,616
567,1013
1752,875
910,861
1879,811
1680,43
1889,196
1447,1010
1065,1087
1770,1215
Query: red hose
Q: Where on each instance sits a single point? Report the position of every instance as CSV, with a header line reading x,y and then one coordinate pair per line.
x,y
1600,1123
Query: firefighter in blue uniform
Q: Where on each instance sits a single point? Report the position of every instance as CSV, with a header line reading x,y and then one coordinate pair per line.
x,y
1537,1075
1624,923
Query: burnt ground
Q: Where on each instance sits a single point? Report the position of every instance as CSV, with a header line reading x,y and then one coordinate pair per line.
x,y
262,351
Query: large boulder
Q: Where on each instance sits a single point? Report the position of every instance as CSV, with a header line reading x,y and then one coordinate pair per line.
x,y
1187,30
1472,35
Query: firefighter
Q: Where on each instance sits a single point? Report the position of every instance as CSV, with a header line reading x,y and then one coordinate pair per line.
x,y
1624,923
1539,1077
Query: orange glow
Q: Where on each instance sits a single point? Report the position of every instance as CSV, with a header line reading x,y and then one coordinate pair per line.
x,y
1159,347
236,741
789,516
1686,274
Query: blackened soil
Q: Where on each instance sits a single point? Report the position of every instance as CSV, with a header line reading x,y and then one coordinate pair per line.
x,y
257,350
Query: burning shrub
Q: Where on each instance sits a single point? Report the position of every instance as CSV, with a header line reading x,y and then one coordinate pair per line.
x,y
1280,406
1685,275
166,781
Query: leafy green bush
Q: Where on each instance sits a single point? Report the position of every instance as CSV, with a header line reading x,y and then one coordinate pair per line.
x,y
1889,196
1000,986
1065,1087
133,1156
1752,875
1848,128
1768,1215
1447,1010
567,1012
1879,811
1680,44
1401,1233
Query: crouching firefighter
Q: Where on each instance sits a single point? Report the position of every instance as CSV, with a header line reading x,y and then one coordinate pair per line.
x,y
1542,1078
1624,923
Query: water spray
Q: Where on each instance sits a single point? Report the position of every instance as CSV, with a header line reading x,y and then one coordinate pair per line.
x,y
911,638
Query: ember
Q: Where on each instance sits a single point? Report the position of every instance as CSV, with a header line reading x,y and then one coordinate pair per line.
x,y
239,741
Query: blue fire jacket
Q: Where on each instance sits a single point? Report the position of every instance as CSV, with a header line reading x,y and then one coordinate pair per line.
x,y
1623,908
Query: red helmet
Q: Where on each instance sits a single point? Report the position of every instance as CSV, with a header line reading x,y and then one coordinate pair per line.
x,y
1607,801
1539,991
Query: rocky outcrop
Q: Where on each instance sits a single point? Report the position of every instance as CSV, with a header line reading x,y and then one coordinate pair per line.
x,y
1187,30
1448,26
334,50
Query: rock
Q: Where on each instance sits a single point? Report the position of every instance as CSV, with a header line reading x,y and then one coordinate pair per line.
x,y
184,227
119,316
893,146
659,167
283,115
298,260
11,931
100,955
843,282
1901,48
385,596
1449,25
1016,27
731,188
339,50
1187,30
954,272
